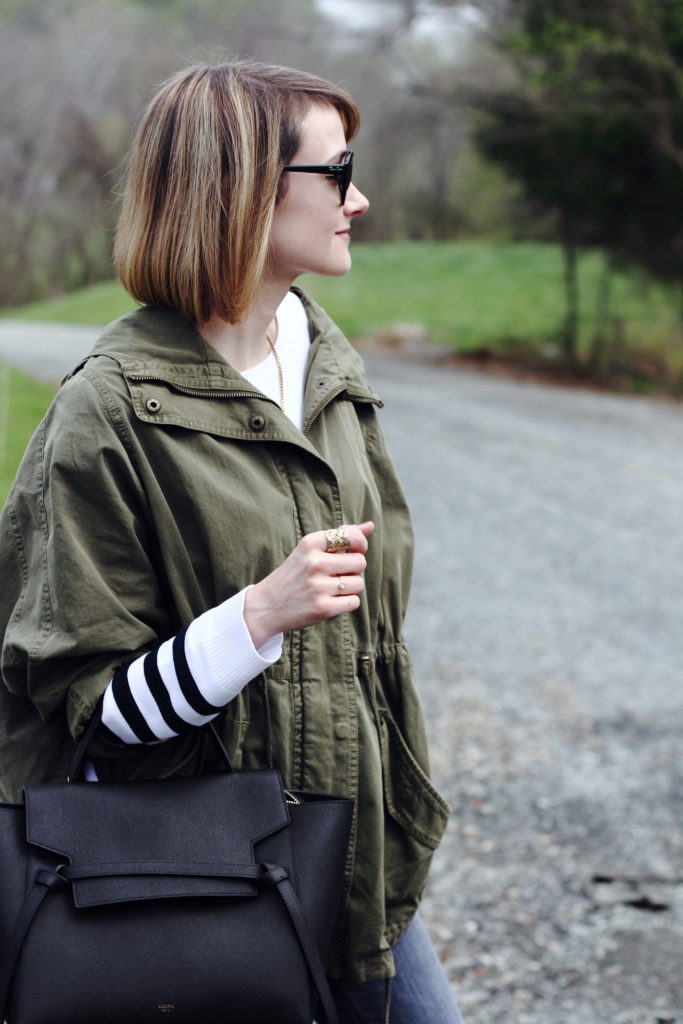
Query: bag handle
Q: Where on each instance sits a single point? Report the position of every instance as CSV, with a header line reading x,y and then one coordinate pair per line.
x,y
79,755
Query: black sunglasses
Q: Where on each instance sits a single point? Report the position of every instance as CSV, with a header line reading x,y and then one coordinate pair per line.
x,y
341,173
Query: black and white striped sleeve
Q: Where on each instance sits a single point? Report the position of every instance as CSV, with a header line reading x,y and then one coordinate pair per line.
x,y
188,679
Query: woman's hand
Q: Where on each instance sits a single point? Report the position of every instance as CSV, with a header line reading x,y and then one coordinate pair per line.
x,y
310,586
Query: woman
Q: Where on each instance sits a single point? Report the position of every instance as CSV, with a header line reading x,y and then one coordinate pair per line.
x,y
207,523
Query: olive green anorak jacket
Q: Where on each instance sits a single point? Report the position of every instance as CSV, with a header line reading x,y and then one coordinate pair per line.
x,y
159,484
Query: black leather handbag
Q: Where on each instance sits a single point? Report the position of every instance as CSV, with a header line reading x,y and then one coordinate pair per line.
x,y
192,901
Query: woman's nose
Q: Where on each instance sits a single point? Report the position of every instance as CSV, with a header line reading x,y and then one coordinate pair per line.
x,y
355,202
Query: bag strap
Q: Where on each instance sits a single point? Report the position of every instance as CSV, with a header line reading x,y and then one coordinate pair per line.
x,y
307,942
267,875
45,880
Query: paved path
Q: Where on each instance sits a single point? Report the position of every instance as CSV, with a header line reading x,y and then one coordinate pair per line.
x,y
547,629
45,350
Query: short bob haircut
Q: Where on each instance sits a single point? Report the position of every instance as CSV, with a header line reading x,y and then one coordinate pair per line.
x,y
202,183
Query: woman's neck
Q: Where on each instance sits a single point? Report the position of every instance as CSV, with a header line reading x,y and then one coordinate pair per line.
x,y
244,344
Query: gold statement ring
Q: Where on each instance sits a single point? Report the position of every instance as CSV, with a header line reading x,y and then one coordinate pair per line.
x,y
337,540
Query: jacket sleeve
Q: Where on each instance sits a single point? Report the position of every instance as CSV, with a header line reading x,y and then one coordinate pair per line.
x,y
80,595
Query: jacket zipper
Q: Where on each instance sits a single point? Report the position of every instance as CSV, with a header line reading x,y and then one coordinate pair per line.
x,y
330,398
196,392
366,666
316,412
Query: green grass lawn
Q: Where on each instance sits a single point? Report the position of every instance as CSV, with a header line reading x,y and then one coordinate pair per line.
x,y
22,403
97,304
469,295
486,295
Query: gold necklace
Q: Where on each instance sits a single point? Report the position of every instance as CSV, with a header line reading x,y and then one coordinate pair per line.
x,y
280,375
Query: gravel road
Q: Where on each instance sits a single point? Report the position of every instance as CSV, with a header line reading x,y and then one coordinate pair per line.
x,y
547,628
546,625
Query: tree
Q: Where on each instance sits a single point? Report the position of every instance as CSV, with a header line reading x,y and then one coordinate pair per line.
x,y
407,62
594,129
74,77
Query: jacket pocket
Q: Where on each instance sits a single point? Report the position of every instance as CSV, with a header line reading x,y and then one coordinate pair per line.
x,y
411,799
415,821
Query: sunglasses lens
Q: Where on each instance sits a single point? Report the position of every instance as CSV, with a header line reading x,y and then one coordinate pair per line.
x,y
345,177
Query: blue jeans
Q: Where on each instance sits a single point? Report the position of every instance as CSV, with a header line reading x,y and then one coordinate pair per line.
x,y
419,994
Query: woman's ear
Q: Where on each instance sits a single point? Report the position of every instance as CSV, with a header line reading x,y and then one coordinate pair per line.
x,y
282,188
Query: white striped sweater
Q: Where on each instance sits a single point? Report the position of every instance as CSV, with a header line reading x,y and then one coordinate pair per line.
x,y
186,680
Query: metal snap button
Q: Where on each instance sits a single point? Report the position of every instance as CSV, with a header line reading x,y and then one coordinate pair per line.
x,y
152,405
257,423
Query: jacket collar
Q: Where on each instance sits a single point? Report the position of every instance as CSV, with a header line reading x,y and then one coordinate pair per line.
x,y
159,344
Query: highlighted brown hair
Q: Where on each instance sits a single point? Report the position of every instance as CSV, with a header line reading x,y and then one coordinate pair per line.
x,y
202,183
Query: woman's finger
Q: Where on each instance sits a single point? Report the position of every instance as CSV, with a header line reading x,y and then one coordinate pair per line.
x,y
349,563
347,586
351,537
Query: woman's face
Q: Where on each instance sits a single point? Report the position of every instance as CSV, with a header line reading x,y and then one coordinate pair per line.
x,y
311,227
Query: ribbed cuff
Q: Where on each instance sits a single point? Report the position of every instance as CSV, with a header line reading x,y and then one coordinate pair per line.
x,y
221,654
